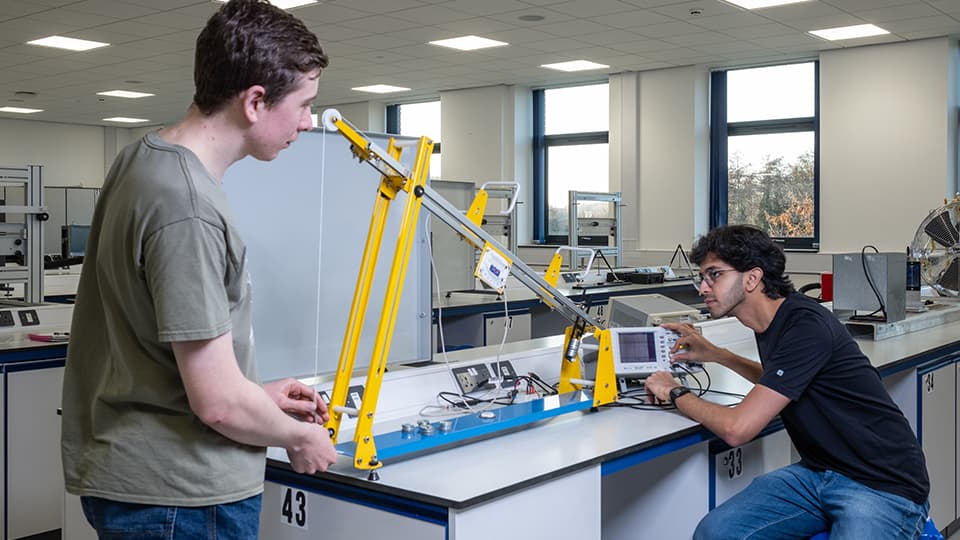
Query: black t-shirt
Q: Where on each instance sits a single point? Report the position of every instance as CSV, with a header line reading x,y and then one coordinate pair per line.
x,y
840,416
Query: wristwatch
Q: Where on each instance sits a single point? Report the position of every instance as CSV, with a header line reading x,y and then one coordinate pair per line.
x,y
676,392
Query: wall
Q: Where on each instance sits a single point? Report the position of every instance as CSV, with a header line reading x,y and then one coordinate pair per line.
x,y
71,155
887,141
487,136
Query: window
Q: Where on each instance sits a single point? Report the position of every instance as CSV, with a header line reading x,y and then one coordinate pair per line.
x,y
571,129
418,120
764,163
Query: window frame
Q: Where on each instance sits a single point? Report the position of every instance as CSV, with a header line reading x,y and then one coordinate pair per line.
x,y
541,155
721,130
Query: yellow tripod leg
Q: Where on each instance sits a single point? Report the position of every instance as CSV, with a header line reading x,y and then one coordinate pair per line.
x,y
366,453
358,309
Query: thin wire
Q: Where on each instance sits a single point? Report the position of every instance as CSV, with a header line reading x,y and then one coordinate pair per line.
x,y
323,171
443,344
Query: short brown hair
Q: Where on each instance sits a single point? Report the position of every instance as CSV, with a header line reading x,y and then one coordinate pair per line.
x,y
251,42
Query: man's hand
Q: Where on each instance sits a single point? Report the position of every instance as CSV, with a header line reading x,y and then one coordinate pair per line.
x,y
658,386
297,400
315,452
691,346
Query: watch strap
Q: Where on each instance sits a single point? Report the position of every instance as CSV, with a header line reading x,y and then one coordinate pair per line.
x,y
676,392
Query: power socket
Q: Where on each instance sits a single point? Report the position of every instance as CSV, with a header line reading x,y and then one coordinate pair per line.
x,y
470,378
355,397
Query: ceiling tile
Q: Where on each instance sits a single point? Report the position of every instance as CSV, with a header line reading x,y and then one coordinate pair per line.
x,y
911,11
761,30
681,10
802,10
699,38
731,20
113,9
593,8
431,15
574,27
490,7
668,29
632,19
941,25
610,37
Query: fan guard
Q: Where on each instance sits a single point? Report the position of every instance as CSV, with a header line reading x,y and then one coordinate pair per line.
x,y
937,246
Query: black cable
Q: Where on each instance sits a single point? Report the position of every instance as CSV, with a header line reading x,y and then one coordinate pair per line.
x,y
866,271
549,389
468,401
640,395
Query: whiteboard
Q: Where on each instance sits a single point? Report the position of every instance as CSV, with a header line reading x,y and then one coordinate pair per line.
x,y
311,207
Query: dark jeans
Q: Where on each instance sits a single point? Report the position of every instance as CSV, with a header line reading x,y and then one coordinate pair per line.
x,y
125,521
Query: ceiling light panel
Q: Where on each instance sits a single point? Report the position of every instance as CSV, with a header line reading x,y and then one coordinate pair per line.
x,y
124,94
469,43
287,4
71,44
19,110
380,88
125,120
575,65
849,32
760,4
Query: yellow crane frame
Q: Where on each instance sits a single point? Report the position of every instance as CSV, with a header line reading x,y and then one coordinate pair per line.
x,y
396,178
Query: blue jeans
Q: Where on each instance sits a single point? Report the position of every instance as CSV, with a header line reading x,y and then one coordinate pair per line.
x,y
796,503
125,521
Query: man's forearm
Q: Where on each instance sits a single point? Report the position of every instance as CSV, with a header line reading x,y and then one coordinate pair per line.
x,y
746,368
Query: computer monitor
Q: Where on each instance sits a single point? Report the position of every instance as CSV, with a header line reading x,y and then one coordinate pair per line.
x,y
73,240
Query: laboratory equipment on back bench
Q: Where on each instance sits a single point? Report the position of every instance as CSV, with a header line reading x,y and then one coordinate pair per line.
x,y
23,242
594,221
648,310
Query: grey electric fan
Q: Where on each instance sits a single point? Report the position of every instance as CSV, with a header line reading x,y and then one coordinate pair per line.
x,y
937,246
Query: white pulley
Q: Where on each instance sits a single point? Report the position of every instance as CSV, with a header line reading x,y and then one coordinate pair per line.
x,y
329,118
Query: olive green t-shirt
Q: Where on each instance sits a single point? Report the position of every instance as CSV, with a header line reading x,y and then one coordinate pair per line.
x,y
164,263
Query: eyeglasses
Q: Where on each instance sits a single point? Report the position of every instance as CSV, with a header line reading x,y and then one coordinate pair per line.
x,y
710,277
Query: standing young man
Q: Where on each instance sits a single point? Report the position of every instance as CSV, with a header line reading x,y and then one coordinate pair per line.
x,y
862,473
164,421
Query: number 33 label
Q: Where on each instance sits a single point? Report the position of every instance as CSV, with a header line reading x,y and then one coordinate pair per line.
x,y
293,508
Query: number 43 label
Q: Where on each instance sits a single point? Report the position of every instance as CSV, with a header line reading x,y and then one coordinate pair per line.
x,y
293,508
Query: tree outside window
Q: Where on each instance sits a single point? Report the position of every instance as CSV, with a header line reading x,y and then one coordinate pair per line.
x,y
770,133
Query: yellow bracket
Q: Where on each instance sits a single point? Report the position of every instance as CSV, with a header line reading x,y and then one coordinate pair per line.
x,y
605,382
478,208
553,271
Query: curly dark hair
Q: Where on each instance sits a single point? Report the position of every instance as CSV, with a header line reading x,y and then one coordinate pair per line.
x,y
251,42
744,247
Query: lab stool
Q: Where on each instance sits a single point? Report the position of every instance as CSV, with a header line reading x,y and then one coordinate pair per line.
x,y
930,532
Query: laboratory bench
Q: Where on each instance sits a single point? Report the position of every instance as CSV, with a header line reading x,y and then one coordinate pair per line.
x,y
31,501
610,473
